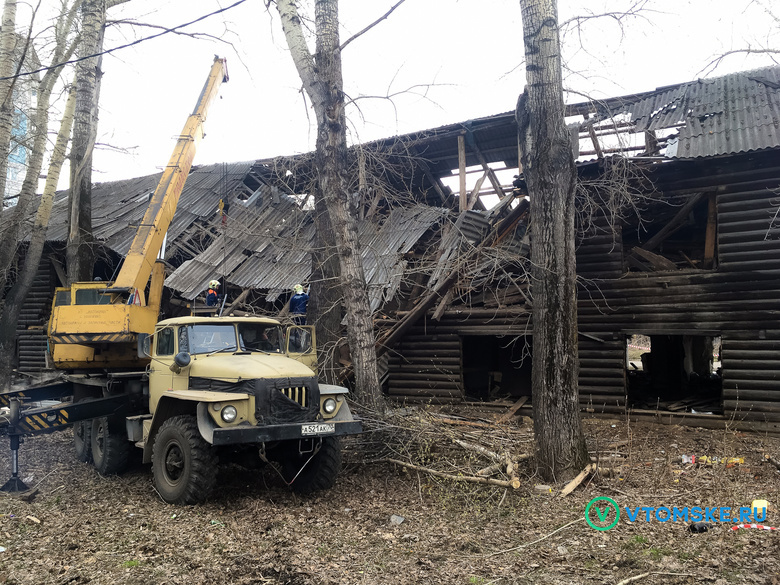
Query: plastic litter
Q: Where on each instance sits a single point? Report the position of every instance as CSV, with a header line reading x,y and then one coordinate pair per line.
x,y
699,527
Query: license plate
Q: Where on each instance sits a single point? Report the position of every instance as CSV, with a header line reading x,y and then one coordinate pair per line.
x,y
318,429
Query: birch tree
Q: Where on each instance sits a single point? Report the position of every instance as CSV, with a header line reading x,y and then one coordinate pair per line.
x,y
88,74
65,41
322,79
548,168
8,64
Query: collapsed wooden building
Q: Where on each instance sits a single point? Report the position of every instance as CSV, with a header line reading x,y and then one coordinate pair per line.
x,y
678,251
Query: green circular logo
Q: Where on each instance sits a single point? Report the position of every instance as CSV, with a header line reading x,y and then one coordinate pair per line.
x,y
602,514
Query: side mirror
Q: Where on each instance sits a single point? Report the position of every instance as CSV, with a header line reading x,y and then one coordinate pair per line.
x,y
182,359
144,345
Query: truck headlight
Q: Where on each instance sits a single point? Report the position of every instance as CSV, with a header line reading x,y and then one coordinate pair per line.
x,y
329,406
229,414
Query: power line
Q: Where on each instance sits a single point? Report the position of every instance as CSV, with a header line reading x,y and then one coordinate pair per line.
x,y
108,51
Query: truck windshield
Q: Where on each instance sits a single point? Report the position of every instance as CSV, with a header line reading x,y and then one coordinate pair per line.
x,y
260,337
207,338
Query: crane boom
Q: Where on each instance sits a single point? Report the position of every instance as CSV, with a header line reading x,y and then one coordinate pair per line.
x,y
148,240
95,325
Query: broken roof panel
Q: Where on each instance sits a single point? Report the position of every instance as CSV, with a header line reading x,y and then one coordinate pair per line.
x,y
734,113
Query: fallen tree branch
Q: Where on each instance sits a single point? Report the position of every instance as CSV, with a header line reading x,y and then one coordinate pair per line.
x,y
773,461
514,483
479,449
535,541
643,575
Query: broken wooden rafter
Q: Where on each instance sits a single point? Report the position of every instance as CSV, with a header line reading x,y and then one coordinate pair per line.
x,y
489,172
462,198
594,139
238,300
676,223
511,412
657,261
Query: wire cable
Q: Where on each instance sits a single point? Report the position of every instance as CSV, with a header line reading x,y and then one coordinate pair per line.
x,y
108,51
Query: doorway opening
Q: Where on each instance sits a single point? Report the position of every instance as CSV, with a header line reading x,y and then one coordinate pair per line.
x,y
496,367
676,373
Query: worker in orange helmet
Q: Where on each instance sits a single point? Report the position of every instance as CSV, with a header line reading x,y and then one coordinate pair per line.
x,y
212,294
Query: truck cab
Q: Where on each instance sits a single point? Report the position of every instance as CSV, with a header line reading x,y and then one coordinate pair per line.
x,y
217,383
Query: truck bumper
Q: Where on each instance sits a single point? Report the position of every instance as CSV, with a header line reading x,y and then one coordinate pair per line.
x,y
249,434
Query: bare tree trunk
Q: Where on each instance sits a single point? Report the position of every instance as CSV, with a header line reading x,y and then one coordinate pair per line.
x,y
8,64
322,79
15,297
80,256
324,309
39,124
548,167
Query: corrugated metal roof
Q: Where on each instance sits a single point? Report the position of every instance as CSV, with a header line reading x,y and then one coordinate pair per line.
x,y
119,206
734,113
267,246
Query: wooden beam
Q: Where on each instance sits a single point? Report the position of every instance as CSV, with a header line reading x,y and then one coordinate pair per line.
x,y
239,299
511,412
595,141
676,223
657,261
475,192
709,238
462,171
443,304
59,270
483,161
651,143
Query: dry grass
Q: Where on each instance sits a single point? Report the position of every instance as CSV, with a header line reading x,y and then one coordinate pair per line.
x,y
116,530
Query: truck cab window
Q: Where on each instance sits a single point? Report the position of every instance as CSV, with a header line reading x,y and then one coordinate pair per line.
x,y
210,338
259,337
164,345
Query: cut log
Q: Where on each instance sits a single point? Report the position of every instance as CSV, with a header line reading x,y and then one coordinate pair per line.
x,y
572,485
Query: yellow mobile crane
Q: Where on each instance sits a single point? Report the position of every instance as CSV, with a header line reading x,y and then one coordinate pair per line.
x,y
97,326
189,391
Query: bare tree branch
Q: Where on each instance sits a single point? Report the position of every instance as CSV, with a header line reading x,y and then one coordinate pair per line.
x,y
372,25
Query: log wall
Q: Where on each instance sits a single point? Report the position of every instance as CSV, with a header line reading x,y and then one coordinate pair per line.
x,y
427,364
739,300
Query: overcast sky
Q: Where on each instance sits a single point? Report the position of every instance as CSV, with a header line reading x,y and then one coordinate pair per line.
x,y
469,51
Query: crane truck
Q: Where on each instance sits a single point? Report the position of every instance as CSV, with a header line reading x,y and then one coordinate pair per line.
x,y
187,391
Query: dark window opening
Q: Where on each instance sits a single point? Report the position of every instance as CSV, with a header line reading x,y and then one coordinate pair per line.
x,y
676,373
676,235
496,367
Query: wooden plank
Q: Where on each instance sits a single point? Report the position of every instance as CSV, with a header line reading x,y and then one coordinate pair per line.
x,y
511,412
462,172
657,261
676,223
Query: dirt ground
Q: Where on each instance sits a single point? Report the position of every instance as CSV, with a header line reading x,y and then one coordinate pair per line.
x,y
383,523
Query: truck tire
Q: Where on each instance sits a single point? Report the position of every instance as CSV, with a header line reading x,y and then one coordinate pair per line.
x,y
319,473
82,437
183,463
110,447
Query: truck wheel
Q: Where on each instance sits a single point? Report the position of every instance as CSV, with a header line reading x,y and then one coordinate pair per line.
x,y
82,436
319,473
183,463
110,448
